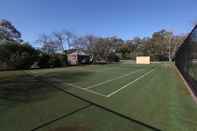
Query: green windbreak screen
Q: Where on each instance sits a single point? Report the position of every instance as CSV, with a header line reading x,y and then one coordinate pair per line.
x,y
186,58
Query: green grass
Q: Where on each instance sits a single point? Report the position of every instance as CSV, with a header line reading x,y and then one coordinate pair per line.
x,y
158,99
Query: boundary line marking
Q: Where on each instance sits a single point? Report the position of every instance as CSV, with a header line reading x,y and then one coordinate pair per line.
x,y
61,117
108,109
100,106
103,70
110,80
130,83
84,89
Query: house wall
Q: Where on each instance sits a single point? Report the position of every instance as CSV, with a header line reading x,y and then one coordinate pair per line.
x,y
143,60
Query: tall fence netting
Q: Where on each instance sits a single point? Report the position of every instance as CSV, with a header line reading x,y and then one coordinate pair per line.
x,y
186,59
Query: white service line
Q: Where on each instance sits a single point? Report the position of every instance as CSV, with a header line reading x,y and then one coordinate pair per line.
x,y
130,83
84,89
98,70
110,80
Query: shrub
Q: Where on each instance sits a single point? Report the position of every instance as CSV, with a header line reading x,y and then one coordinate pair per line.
x,y
17,56
113,58
28,55
43,61
55,60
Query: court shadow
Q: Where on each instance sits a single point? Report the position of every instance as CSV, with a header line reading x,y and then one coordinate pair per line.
x,y
70,76
27,88
24,88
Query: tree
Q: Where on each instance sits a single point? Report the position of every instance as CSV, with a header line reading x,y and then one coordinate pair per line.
x,y
9,32
27,56
59,38
161,42
99,48
137,46
64,38
124,50
56,41
49,45
85,43
70,38
17,56
43,61
81,43
177,40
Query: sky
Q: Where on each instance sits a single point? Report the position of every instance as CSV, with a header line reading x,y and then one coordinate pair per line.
x,y
122,18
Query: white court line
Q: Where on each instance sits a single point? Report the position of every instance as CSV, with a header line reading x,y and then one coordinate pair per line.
x,y
99,70
110,80
130,83
84,89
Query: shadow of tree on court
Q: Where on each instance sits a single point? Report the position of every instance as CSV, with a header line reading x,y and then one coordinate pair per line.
x,y
69,76
26,87
23,88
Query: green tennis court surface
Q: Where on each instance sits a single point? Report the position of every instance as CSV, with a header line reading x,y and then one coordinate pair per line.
x,y
114,97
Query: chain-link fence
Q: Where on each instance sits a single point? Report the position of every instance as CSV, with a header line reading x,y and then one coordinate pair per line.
x,y
186,59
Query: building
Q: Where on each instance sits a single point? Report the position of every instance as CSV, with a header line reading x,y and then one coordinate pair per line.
x,y
76,56
143,60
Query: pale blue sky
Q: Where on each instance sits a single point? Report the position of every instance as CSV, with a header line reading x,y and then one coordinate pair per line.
x,y
123,18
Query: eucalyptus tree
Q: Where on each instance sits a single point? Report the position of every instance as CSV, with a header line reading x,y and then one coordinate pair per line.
x,y
9,32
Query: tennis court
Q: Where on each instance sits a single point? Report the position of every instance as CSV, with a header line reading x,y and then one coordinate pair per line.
x,y
112,97
102,81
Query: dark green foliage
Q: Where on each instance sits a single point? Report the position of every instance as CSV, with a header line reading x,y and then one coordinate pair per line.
x,y
125,51
28,55
23,56
56,60
64,58
8,31
113,58
17,56
44,61
2,36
